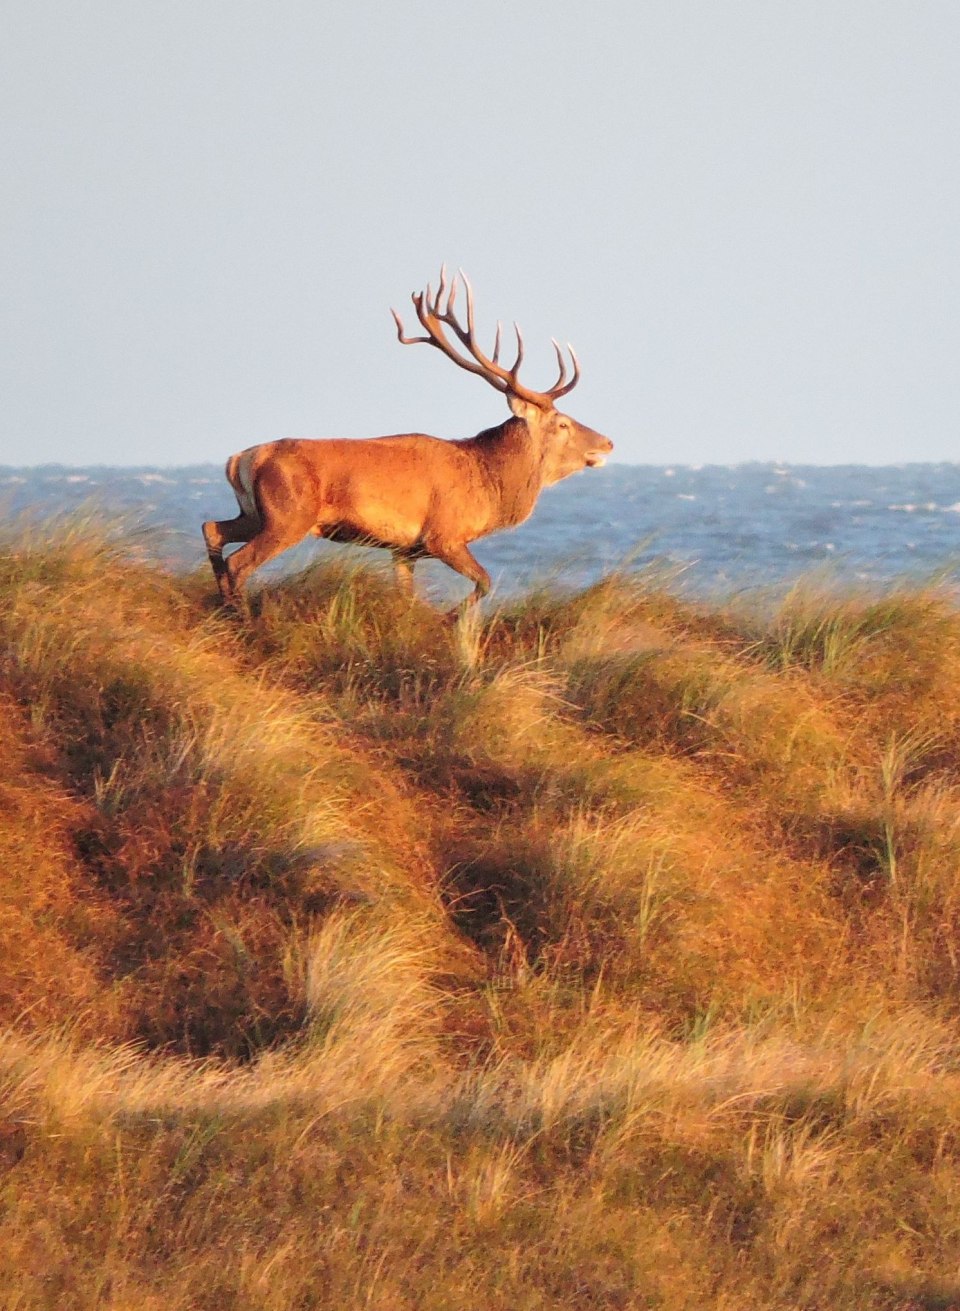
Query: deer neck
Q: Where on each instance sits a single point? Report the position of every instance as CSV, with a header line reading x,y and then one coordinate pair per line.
x,y
511,464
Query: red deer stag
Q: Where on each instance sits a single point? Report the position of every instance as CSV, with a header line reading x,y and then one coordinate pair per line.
x,y
415,495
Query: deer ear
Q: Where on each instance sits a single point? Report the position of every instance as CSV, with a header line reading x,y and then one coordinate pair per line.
x,y
525,410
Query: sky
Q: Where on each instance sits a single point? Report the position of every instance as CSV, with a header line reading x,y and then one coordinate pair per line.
x,y
744,214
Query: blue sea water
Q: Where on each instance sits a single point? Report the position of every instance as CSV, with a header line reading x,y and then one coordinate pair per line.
x,y
716,528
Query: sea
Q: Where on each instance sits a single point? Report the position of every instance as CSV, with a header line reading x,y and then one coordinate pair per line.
x,y
712,530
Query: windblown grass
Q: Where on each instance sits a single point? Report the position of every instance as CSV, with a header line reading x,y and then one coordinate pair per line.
x,y
601,951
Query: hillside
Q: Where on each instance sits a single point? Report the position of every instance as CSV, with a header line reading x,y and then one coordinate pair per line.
x,y
598,952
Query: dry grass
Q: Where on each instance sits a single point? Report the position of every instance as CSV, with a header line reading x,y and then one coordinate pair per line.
x,y
599,952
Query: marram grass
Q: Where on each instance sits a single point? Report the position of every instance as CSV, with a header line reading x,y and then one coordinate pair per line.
x,y
601,951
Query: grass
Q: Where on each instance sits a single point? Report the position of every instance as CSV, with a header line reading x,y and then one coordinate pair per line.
x,y
599,951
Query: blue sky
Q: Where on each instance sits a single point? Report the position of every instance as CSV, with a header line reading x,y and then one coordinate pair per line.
x,y
743,214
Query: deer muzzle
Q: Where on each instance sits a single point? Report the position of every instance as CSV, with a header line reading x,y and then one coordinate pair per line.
x,y
596,457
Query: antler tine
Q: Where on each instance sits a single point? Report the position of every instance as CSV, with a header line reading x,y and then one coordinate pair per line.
x,y
426,307
402,332
561,387
421,303
441,289
496,345
563,365
469,291
519,360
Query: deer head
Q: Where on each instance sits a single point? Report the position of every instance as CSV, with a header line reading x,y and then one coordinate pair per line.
x,y
566,446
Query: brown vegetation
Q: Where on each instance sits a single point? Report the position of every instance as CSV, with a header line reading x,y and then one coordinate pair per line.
x,y
601,951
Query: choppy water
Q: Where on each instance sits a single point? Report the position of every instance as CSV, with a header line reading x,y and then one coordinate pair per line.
x,y
725,527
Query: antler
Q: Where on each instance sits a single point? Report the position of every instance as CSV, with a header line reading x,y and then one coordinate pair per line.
x,y
434,317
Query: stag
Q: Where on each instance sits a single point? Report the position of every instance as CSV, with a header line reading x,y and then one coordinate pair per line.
x,y
415,495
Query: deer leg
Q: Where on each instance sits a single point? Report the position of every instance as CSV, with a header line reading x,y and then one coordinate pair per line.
x,y
269,542
403,568
460,559
218,533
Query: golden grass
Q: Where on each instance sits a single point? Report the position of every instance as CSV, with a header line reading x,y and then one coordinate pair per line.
x,y
600,951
